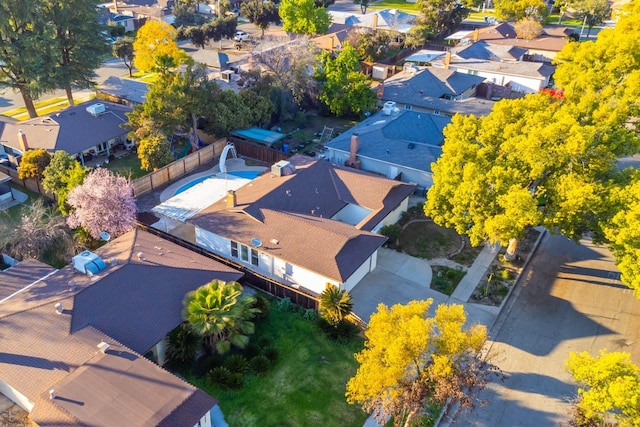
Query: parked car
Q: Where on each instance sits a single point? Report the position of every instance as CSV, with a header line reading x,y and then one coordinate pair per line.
x,y
241,36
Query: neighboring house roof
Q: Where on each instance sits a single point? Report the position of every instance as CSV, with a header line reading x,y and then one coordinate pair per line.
x,y
42,350
505,34
295,212
424,55
211,58
24,273
532,70
332,41
426,86
72,130
409,138
386,19
483,50
130,89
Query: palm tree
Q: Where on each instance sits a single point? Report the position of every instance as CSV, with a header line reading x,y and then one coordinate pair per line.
x,y
183,344
335,304
221,314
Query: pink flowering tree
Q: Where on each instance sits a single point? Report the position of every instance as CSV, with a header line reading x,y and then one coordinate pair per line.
x,y
104,202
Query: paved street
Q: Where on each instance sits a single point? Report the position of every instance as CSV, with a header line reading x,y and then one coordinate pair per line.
x,y
571,300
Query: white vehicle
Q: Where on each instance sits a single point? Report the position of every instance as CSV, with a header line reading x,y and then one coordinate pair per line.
x,y
241,36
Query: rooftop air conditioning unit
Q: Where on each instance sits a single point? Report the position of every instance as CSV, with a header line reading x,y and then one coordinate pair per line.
x,y
88,263
389,108
282,168
96,109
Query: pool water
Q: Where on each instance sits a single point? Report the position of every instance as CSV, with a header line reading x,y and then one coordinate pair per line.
x,y
239,174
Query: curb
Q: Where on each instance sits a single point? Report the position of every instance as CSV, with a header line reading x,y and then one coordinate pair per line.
x,y
505,308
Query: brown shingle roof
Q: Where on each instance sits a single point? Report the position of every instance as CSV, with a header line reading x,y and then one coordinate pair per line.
x,y
39,351
21,275
505,34
296,211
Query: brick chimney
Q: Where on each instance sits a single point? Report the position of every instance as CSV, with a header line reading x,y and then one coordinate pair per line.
x,y
22,140
380,90
447,60
355,143
476,35
374,25
231,199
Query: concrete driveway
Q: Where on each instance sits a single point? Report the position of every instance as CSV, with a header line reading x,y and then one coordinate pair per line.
x,y
397,279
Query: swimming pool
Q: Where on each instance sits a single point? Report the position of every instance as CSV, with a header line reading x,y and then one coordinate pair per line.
x,y
239,174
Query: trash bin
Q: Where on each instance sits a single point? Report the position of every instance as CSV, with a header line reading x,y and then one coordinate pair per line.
x,y
285,148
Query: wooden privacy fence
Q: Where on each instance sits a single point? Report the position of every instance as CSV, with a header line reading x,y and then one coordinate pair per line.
x,y
30,183
177,169
258,152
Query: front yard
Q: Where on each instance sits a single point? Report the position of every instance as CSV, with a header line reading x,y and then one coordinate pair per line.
x,y
304,387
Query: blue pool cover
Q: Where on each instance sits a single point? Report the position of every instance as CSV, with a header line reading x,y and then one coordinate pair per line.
x,y
261,135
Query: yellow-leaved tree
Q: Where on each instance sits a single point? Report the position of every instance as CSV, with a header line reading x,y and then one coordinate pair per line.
x,y
156,39
411,360
609,387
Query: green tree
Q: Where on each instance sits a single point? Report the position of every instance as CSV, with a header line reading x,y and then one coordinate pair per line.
x,y
80,42
33,163
154,39
123,49
303,17
411,360
260,13
515,10
344,89
623,231
221,314
609,385
28,51
61,176
42,233
335,304
437,16
186,16
260,107
154,152
591,12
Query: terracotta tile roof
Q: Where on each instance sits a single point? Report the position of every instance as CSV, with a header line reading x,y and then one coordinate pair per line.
x,y
296,210
40,351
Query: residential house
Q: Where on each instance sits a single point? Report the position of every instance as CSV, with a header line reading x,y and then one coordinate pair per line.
x,y
434,90
88,129
72,343
332,41
144,9
396,143
502,65
541,49
386,19
124,91
306,224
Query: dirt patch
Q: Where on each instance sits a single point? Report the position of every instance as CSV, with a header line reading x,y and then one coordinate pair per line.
x,y
502,274
425,239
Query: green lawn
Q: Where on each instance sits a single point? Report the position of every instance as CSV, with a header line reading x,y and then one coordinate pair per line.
x,y
128,166
401,5
306,386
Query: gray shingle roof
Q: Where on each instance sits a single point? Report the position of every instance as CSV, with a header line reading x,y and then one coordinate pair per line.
x,y
387,138
132,90
72,130
483,50
505,34
425,87
39,350
295,211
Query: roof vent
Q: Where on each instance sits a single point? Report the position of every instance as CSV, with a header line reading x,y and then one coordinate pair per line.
x,y
72,285
274,241
58,308
411,146
113,261
103,347
255,242
390,108
88,263
141,256
52,394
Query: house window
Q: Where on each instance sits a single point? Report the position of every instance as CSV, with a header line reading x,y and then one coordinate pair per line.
x,y
244,253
